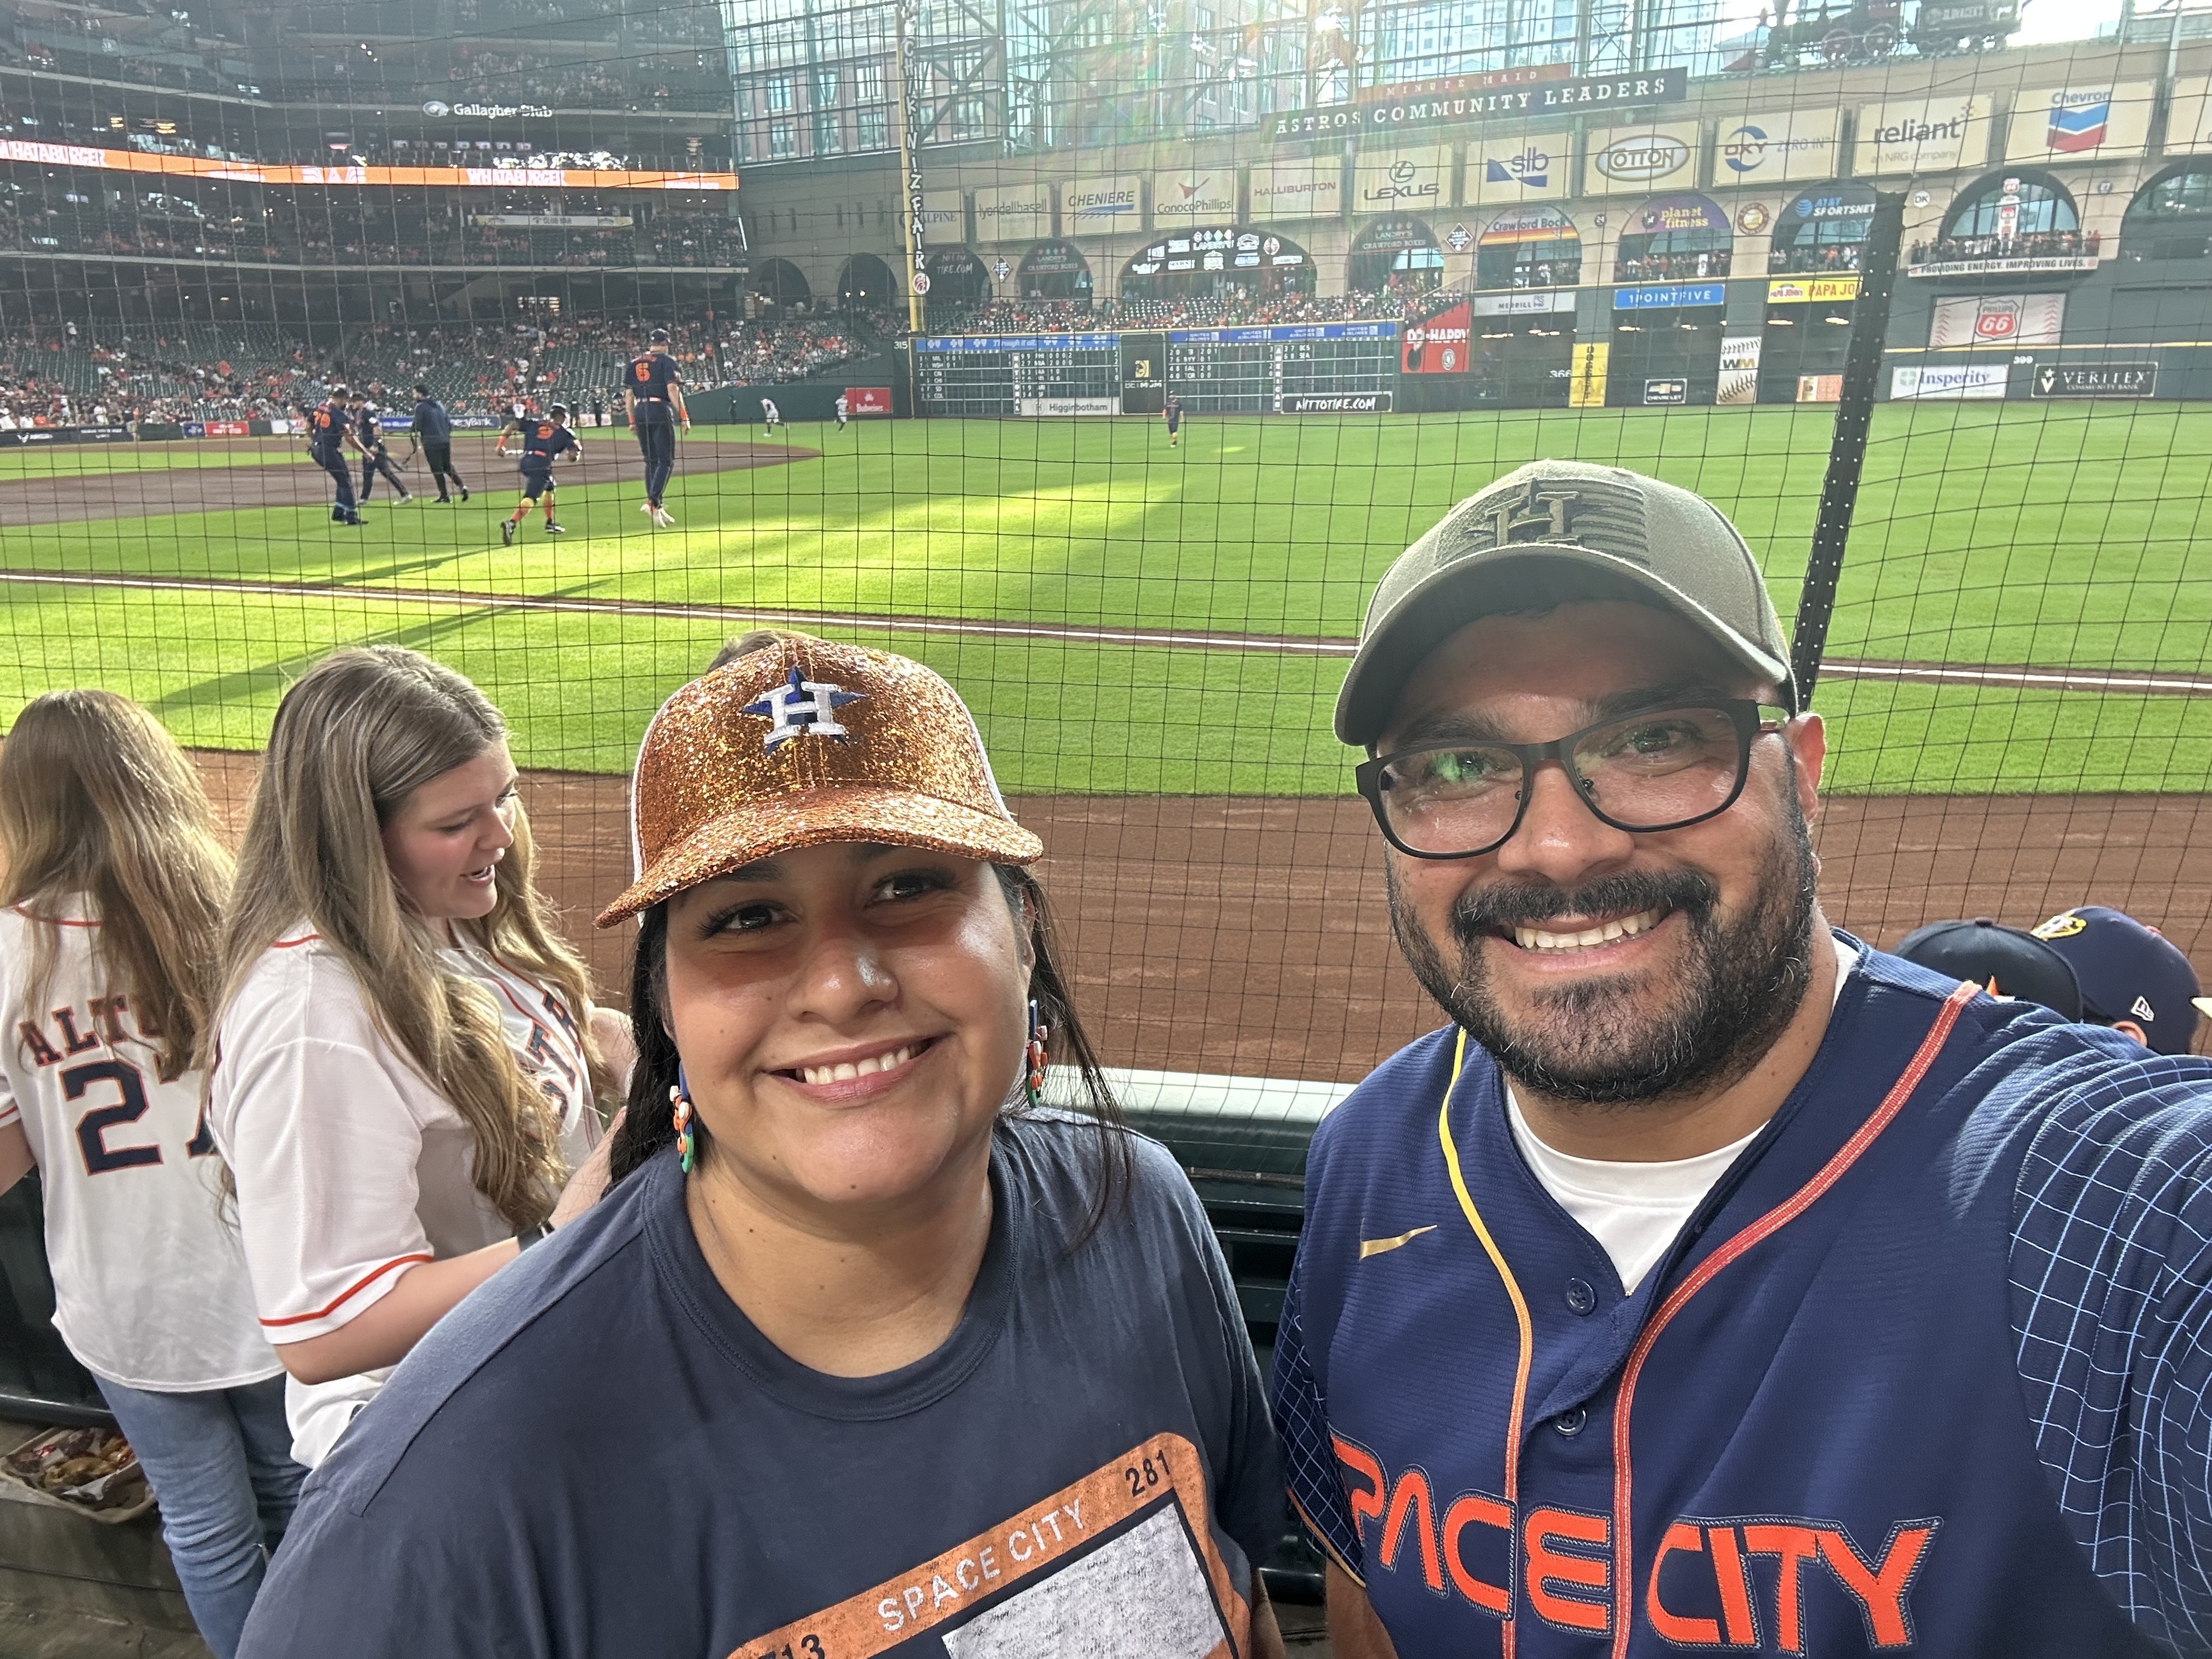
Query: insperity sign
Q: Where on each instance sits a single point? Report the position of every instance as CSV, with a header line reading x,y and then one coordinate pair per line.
x,y
1435,104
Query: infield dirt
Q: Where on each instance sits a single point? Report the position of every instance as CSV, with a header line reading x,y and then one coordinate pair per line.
x,y
1250,936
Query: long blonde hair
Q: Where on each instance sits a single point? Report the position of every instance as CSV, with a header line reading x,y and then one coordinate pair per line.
x,y
353,739
96,799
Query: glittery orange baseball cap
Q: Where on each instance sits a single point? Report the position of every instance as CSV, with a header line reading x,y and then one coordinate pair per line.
x,y
802,741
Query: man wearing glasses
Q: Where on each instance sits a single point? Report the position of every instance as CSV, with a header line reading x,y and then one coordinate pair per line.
x,y
1714,1282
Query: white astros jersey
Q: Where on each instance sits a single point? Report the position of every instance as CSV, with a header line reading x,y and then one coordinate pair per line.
x,y
350,1167
150,1289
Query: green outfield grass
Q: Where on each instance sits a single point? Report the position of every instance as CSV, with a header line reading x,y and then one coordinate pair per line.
x,y
2057,535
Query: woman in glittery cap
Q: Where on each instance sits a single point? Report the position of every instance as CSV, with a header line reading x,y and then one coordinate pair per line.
x,y
887,1338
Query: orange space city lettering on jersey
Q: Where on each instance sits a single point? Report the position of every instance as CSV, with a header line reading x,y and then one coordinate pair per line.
x,y
1699,1591
1160,1481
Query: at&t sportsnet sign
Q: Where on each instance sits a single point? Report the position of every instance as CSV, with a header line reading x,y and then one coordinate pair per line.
x,y
1466,101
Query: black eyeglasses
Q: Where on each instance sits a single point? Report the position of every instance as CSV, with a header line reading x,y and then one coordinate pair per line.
x,y
1656,769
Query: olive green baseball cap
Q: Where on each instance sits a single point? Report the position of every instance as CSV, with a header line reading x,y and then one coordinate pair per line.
x,y
1548,533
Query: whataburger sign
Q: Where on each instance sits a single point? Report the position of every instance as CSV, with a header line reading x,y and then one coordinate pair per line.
x,y
251,173
1466,106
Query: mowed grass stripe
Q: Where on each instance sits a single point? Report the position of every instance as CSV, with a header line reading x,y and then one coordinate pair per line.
x,y
1060,717
2061,536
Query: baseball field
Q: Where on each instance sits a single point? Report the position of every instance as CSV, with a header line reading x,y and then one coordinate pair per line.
x,y
2018,669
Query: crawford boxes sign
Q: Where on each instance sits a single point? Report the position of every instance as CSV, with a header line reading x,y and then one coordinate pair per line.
x,y
1468,100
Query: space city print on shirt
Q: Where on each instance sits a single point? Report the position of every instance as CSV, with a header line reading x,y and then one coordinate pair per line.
x,y
1121,1564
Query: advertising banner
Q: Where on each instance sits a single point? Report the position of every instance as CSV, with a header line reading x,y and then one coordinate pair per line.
x,y
1018,213
1402,180
1437,344
1200,196
39,436
228,429
2094,381
1514,166
867,400
1335,403
1067,406
555,221
1819,388
2063,123
1297,189
1807,290
1636,160
1524,304
1926,136
1586,383
941,219
1771,147
1668,296
2188,123
1495,98
255,172
1666,393
1969,320
1092,206
1978,381
1740,368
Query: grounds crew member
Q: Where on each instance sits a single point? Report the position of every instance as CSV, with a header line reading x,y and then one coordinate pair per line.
x,y
652,395
544,442
329,431
1714,1281
432,434
375,458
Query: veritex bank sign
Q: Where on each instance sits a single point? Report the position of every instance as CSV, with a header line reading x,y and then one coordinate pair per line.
x,y
1434,106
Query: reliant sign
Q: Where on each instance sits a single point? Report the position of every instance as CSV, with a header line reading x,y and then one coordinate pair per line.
x,y
1637,161
1518,166
1934,136
1018,213
1401,181
1776,146
1098,204
2060,124
1577,95
1297,189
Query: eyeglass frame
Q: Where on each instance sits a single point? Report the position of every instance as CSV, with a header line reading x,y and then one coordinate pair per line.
x,y
1743,713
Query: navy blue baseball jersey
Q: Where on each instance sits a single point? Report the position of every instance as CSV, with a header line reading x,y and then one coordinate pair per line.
x,y
649,379
1930,1367
327,425
541,440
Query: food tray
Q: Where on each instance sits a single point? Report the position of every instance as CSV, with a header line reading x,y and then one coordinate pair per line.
x,y
88,1471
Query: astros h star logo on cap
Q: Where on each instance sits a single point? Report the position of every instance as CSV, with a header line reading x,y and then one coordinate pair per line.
x,y
795,714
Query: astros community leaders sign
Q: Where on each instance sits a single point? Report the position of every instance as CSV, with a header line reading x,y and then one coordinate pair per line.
x,y
1450,106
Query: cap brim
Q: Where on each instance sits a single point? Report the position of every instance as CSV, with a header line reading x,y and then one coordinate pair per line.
x,y
2203,1006
1532,575
867,812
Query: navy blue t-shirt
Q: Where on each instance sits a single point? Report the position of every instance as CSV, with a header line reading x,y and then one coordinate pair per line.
x,y
649,378
597,1454
541,440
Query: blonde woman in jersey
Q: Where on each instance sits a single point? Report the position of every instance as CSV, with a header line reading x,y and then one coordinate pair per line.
x,y
404,1066
113,897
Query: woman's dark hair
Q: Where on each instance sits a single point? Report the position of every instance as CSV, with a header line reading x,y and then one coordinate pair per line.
x,y
648,1129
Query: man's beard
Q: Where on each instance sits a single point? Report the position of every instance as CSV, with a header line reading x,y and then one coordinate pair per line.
x,y
1740,985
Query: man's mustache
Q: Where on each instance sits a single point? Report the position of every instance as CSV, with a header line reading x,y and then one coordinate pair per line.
x,y
1507,904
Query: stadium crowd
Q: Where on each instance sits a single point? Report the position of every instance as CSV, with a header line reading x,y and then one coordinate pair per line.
x,y
1827,259
1674,267
1210,311
2035,245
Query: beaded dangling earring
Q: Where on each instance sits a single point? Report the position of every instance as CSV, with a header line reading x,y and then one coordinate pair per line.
x,y
679,1100
1033,1072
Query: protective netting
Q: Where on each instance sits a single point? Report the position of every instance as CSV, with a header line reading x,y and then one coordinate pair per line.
x,y
1377,254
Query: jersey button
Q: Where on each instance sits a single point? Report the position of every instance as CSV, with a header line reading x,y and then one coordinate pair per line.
x,y
1571,1420
1581,1296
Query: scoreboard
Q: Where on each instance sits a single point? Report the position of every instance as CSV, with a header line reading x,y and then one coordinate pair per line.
x,y
1003,374
1289,368
1286,368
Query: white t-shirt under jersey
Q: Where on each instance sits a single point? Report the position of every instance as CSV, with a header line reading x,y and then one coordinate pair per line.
x,y
149,1288
1635,1210
350,1167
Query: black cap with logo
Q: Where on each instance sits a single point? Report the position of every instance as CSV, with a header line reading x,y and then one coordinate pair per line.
x,y
1547,533
2127,971
2003,961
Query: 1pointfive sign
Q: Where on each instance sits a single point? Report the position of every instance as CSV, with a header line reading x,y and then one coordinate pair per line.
x,y
801,706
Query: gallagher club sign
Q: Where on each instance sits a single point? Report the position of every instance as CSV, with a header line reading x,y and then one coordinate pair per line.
x,y
1472,100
